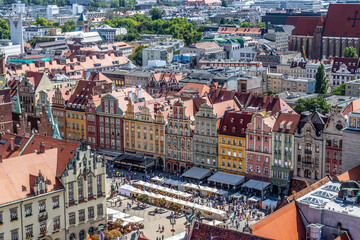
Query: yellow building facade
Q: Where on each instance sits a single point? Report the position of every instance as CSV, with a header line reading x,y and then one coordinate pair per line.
x,y
75,125
144,133
232,142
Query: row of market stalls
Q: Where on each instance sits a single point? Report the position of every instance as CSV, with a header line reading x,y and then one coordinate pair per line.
x,y
126,219
186,206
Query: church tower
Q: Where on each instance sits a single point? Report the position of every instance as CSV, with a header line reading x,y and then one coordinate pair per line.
x,y
16,32
82,23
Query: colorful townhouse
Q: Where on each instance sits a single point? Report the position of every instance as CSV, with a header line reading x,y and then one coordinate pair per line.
x,y
179,136
92,122
259,147
282,160
75,110
206,137
144,134
232,142
110,124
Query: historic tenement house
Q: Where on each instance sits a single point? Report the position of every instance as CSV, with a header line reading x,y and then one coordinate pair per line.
x,y
205,137
309,146
178,140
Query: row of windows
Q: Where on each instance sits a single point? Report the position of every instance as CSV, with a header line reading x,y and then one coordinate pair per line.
x,y
80,185
234,164
232,141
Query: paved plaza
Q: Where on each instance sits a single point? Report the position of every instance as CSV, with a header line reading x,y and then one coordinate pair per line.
x,y
151,223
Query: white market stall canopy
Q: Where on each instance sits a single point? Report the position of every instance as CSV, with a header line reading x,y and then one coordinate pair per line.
x,y
197,173
269,204
218,212
255,184
163,189
134,219
227,178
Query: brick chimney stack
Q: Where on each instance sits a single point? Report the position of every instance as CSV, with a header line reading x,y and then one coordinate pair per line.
x,y
12,144
42,147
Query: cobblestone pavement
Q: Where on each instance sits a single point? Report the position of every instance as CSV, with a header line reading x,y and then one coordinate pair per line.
x,y
151,223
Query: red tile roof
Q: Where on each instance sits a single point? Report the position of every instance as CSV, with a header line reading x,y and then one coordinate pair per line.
x,y
351,64
34,77
352,174
353,106
81,94
308,189
283,224
345,236
17,174
66,149
339,21
286,123
235,123
201,231
5,145
306,26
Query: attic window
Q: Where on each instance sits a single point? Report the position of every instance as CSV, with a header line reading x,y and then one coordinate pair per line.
x,y
232,120
224,128
233,130
241,121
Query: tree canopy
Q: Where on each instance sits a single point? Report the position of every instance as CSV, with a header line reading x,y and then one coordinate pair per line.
x,y
311,104
136,56
43,22
339,90
68,26
4,29
157,13
350,52
179,28
320,84
224,3
270,92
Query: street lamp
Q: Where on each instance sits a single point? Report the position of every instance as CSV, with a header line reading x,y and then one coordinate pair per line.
x,y
172,222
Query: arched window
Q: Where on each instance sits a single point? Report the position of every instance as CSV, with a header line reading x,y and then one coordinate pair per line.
x,y
82,234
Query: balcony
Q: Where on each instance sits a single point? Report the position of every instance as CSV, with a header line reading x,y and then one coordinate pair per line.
x,y
43,217
308,151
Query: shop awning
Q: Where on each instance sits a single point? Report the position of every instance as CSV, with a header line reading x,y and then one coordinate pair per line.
x,y
255,184
110,153
133,160
197,173
227,178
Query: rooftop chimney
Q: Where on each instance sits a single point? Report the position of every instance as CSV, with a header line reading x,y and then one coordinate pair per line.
x,y
42,147
12,144
1,158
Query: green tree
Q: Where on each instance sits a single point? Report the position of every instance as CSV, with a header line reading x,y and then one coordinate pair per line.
x,y
311,104
270,92
222,21
119,38
68,26
43,22
143,198
188,37
339,90
157,13
260,25
231,21
321,84
350,52
246,25
136,56
224,3
4,29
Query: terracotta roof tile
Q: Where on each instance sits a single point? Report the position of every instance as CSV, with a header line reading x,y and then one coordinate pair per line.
x,y
201,231
5,145
17,173
66,149
235,123
352,174
338,22
345,236
308,189
353,106
306,26
286,123
283,224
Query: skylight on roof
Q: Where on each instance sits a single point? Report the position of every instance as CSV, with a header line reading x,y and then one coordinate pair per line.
x,y
332,188
3,141
323,194
312,200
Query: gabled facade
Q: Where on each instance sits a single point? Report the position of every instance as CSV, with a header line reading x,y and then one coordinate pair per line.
x,y
282,160
85,196
205,137
232,142
58,110
26,93
145,134
309,147
333,133
110,124
259,147
179,136
162,81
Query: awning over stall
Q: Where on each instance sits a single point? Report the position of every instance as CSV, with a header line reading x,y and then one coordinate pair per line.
x,y
197,173
227,178
255,184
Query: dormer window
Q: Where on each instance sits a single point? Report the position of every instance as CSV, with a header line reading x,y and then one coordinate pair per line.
x,y
232,120
224,128
233,130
